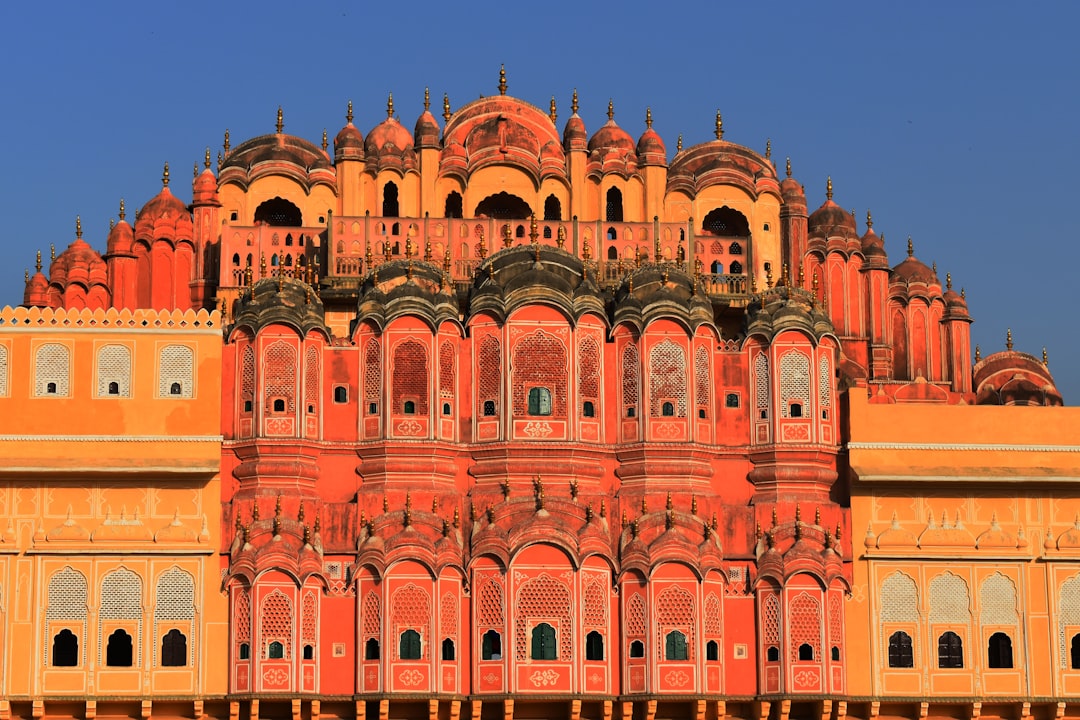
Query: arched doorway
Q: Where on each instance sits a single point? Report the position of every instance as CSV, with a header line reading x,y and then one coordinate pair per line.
x,y
503,206
725,222
279,213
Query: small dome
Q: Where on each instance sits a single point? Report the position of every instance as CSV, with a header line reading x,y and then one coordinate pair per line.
x,y
873,245
913,270
611,136
650,148
830,219
388,136
204,189
348,143
121,239
574,135
36,292
791,189
426,132
163,216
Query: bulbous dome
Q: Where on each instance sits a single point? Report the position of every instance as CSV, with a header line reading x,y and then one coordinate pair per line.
x,y
650,147
426,132
406,287
204,189
1014,378
913,270
662,289
280,300
574,135
164,216
831,220
36,292
278,148
719,162
79,263
348,143
389,136
121,239
873,246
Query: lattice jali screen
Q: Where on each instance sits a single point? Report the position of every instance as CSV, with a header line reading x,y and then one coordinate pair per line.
x,y
410,606
836,619
67,602
899,599
770,615
589,368
372,615
675,610
276,621
311,378
279,374
309,618
372,371
489,371
631,371
1068,615
174,606
713,619
539,361
410,376
667,378
121,596
242,615
543,598
701,376
804,624
949,599
52,364
247,374
176,366
490,604
636,617
794,382
3,371
824,382
761,381
114,366
997,601
448,615
596,606
446,370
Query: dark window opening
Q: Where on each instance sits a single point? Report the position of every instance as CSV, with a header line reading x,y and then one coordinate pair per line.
x,y
612,234
174,388
174,649
835,654
735,268
50,388
278,212
491,646
114,388
735,249
712,650
614,211
999,651
1074,652
539,401
701,413
667,409
447,649
796,410
245,651
275,651
503,206
489,408
390,200
446,408
373,408
950,651
772,654
309,652
65,649
552,208
675,646
279,405
612,253
410,407
409,645
717,267
247,406
519,232
543,642
588,409
341,394
453,205
806,651
371,649
726,222
234,216
732,400
594,646
765,227
764,414
311,408
118,650
631,411
637,649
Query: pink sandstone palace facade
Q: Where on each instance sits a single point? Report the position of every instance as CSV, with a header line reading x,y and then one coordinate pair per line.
x,y
498,418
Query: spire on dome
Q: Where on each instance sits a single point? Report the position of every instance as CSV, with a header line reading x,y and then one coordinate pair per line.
x,y
1008,339
828,188
502,79
325,144
978,353
1046,360
446,107
610,109
427,99
678,144
348,113
280,120
768,148
719,125
910,247
390,106
788,169
165,176
78,227
948,281
574,103
648,118
869,220
206,158
553,114
38,265
123,212
226,144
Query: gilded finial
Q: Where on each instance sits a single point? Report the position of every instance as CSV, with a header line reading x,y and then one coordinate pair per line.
x,y
502,79
427,250
869,220
719,126
1046,360
165,176
788,168
348,114
978,353
610,110
574,103
668,503
560,237
948,281
533,232
678,144
206,158
446,107
78,227
389,106
38,266
220,159
933,267
644,505
828,188
226,144
280,120
910,247
123,212
963,293
1008,339
648,118
325,144
194,170
427,99
552,111
768,148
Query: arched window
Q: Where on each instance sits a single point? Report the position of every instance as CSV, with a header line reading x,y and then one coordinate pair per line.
x,y
245,651
717,267
341,394
489,408
726,222
637,649
796,410
588,409
65,649
539,401
447,649
712,650
835,654
275,651
174,649
735,268
309,652
999,651
279,405
594,646
491,646
552,208
950,651
410,407
667,410
409,645
612,253
543,643
503,206
114,388
806,651
118,650
735,248
453,205
371,649
772,654
446,408
390,200
279,213
614,211
675,646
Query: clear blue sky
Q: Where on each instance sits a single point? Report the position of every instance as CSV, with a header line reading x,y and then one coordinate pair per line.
x,y
954,122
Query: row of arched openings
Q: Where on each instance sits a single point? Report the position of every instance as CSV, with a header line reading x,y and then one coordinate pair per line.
x,y
276,651
950,646
119,649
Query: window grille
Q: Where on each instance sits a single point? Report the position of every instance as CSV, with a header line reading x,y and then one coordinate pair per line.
x,y
52,370
176,371
114,366
794,382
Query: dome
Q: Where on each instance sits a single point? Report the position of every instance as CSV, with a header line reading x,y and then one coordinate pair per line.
x,y
348,143
283,300
719,162
611,136
164,216
278,148
121,237
36,292
426,132
913,270
1011,377
790,188
831,220
574,135
650,148
204,188
389,135
873,246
